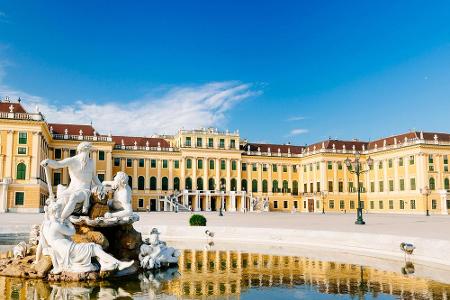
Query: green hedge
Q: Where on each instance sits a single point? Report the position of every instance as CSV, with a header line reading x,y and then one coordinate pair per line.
x,y
197,220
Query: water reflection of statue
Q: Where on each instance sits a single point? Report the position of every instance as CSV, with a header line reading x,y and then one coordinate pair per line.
x,y
121,202
75,198
69,256
154,253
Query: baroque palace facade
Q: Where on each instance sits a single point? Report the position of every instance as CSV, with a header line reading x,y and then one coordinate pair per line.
x,y
205,169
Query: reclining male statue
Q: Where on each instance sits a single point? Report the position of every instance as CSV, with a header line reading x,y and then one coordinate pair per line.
x,y
69,256
75,198
120,204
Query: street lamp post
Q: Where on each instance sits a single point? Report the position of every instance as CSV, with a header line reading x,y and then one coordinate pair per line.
x,y
323,195
426,192
354,167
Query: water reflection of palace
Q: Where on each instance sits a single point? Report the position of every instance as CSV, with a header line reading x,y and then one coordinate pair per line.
x,y
228,273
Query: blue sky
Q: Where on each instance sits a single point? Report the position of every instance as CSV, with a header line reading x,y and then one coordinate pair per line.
x,y
297,71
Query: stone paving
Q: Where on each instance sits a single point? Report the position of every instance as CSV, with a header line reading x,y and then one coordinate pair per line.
x,y
435,226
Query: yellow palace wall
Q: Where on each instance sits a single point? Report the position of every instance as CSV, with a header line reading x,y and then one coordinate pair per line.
x,y
312,173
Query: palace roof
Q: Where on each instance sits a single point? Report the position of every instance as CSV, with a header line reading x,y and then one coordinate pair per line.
x,y
72,129
273,148
338,145
140,141
17,107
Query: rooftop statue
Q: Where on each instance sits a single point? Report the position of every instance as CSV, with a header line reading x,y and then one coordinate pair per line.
x,y
83,181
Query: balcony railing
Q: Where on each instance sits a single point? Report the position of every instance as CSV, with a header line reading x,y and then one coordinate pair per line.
x,y
90,138
22,116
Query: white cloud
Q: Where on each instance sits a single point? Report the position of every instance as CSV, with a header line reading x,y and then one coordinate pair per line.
x,y
189,106
295,118
298,131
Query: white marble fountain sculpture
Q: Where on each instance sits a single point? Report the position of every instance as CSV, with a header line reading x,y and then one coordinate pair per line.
x,y
155,254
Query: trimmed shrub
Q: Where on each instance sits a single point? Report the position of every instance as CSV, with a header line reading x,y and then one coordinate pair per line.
x,y
197,220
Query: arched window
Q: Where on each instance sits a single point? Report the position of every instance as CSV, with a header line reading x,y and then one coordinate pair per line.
x,y
244,185
233,184
21,170
275,186
130,182
176,184
199,183
188,183
295,187
446,184
223,184
264,186
254,185
211,184
285,186
141,182
153,183
165,183
432,183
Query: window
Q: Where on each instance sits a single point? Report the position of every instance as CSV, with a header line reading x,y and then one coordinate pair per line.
x,y
22,138
318,186
284,168
285,204
432,183
391,204
129,163
141,203
232,144
341,204
21,171
188,163
264,167
330,186
56,179
433,204
341,186
391,185
331,204
413,204
304,204
350,186
381,186
130,182
274,168
295,204
176,164
305,187
20,197
153,163
317,166
380,204
285,186
362,204
295,187
254,186
222,143
141,183
233,165
402,204
210,142
294,168
222,164
304,168
446,184
188,141
101,177
275,204
233,184
58,154
400,161
211,184
330,165
141,163
339,165
21,150
188,183
116,162
164,183
411,159
311,186
372,204
402,184
153,183
176,184
199,142
275,188
244,167
352,204
211,164
254,167
412,182
390,163
164,163
72,152
372,187
200,164
264,186
430,159
244,185
380,165
101,155
445,160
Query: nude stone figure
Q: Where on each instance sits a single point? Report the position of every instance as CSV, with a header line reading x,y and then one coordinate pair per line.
x,y
120,204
